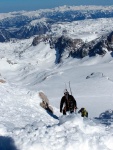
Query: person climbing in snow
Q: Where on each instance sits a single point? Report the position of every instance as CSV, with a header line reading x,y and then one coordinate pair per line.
x,y
68,103
83,112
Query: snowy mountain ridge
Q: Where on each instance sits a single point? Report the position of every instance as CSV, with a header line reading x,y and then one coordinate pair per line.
x,y
60,9
76,48
16,23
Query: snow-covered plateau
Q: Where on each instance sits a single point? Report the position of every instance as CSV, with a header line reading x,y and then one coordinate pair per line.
x,y
25,70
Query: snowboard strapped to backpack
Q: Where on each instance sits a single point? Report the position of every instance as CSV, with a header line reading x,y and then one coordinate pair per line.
x,y
45,102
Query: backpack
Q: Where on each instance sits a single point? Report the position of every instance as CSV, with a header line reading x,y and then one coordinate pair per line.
x,y
83,112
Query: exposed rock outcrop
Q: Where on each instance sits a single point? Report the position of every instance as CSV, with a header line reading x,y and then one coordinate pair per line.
x,y
76,48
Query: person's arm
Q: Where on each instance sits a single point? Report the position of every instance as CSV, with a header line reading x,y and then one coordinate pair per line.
x,y
79,111
61,104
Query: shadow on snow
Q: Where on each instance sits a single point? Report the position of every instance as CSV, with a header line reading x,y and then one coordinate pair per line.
x,y
7,143
106,117
52,115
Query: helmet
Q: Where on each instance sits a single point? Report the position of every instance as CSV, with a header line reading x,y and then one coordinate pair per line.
x,y
66,91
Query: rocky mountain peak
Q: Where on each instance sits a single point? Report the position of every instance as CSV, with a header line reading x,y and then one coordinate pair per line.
x,y
76,47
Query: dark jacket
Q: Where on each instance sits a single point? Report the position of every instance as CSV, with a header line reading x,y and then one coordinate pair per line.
x,y
69,104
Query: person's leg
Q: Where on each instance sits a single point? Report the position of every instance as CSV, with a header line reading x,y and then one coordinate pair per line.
x,y
64,111
71,112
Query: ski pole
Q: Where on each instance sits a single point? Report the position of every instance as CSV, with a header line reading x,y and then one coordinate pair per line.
x,y
70,88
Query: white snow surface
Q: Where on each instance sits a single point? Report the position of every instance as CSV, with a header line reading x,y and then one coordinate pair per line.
x,y
87,30
24,125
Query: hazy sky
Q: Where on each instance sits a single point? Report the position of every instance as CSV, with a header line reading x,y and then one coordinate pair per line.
x,y
15,5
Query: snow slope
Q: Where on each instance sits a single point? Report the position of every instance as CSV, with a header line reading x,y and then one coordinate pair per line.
x,y
24,125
